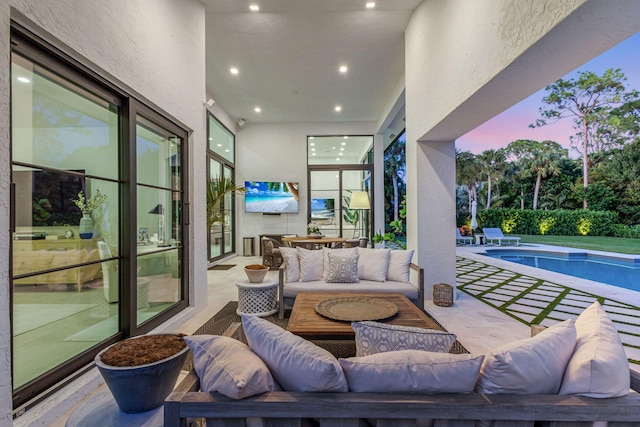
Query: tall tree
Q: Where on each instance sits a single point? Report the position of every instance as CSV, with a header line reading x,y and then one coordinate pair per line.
x,y
586,99
539,159
491,164
467,172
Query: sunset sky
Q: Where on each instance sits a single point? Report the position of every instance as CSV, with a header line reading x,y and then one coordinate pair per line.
x,y
514,123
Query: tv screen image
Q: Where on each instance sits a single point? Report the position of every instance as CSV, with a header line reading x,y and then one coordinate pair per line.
x,y
271,197
322,209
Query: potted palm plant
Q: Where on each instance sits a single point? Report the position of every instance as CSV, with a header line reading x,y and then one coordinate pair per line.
x,y
217,189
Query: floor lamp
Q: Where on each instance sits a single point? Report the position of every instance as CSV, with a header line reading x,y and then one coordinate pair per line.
x,y
359,201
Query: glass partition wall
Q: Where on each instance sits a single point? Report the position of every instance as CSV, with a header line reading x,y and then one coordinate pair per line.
x,y
94,259
340,185
221,155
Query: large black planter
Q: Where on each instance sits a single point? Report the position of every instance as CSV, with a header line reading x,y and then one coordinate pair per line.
x,y
142,388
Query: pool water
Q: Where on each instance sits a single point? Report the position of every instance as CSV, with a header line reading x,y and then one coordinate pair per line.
x,y
622,272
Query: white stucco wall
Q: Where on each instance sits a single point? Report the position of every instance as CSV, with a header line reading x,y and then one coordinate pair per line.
x,y
278,152
154,46
465,62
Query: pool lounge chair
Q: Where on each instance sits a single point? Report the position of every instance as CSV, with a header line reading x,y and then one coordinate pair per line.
x,y
463,239
492,234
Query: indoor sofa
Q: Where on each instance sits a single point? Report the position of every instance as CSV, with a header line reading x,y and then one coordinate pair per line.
x,y
348,270
574,373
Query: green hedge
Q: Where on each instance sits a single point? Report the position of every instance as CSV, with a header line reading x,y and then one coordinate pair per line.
x,y
556,222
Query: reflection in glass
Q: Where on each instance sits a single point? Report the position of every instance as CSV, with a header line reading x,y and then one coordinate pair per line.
x,y
159,279
60,133
221,141
339,150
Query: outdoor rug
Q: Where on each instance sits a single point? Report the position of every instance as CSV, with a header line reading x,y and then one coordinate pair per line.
x,y
28,317
339,348
222,266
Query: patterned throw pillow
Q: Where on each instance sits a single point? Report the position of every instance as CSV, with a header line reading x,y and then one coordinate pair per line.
x,y
342,268
374,337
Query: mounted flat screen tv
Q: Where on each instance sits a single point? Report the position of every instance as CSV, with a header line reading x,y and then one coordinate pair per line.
x,y
271,197
322,209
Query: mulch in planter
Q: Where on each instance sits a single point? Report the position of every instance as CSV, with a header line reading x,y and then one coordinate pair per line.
x,y
143,350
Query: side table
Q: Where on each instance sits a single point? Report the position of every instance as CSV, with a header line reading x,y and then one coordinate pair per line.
x,y
479,239
259,299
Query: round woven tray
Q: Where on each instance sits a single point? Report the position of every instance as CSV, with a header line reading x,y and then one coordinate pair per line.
x,y
354,309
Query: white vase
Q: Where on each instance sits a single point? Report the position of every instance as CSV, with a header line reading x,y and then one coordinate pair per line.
x,y
86,226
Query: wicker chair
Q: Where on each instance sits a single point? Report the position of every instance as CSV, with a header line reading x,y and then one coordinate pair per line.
x,y
271,256
306,245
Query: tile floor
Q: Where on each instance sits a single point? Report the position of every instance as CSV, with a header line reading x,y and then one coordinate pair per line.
x,y
495,301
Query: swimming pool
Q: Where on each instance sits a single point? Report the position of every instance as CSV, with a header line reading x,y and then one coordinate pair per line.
x,y
617,271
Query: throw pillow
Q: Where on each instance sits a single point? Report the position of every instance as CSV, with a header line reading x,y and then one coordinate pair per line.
x,y
373,264
375,337
229,367
599,366
399,265
325,257
412,371
291,263
295,363
342,269
530,366
310,264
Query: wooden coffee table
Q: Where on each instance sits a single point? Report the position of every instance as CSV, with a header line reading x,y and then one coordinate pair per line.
x,y
305,322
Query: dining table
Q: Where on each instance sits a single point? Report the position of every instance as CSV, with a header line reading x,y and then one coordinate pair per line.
x,y
322,241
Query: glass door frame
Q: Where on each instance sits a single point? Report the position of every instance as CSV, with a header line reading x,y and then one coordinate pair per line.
x,y
225,165
37,46
365,168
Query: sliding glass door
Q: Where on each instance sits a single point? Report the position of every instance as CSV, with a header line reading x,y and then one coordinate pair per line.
x,y
97,229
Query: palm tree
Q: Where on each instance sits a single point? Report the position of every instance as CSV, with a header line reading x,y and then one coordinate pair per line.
x,y
217,189
491,163
539,159
467,172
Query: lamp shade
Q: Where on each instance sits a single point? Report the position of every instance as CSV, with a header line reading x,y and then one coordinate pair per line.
x,y
359,200
158,210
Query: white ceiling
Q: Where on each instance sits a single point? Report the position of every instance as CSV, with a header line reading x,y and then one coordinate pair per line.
x,y
289,52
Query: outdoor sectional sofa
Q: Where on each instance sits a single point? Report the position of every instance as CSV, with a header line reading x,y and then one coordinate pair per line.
x,y
594,385
348,270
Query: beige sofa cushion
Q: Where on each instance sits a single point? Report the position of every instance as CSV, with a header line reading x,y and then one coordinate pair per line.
x,y
407,289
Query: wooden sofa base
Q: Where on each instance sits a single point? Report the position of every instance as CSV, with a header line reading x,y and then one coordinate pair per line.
x,y
290,409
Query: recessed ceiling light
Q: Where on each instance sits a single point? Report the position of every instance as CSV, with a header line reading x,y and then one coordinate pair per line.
x,y
254,8
343,69
344,143
313,154
342,149
233,70
345,137
338,108
333,148
313,149
341,154
311,137
219,145
312,144
338,158
227,150
370,5
257,109
23,80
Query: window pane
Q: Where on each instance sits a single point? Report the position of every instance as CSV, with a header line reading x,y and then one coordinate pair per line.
x,y
159,254
216,231
59,125
59,286
158,156
339,150
221,141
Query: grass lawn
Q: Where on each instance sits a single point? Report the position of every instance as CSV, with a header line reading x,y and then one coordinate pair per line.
x,y
609,244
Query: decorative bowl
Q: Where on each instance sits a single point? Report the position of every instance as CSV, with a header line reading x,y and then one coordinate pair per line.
x,y
256,272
